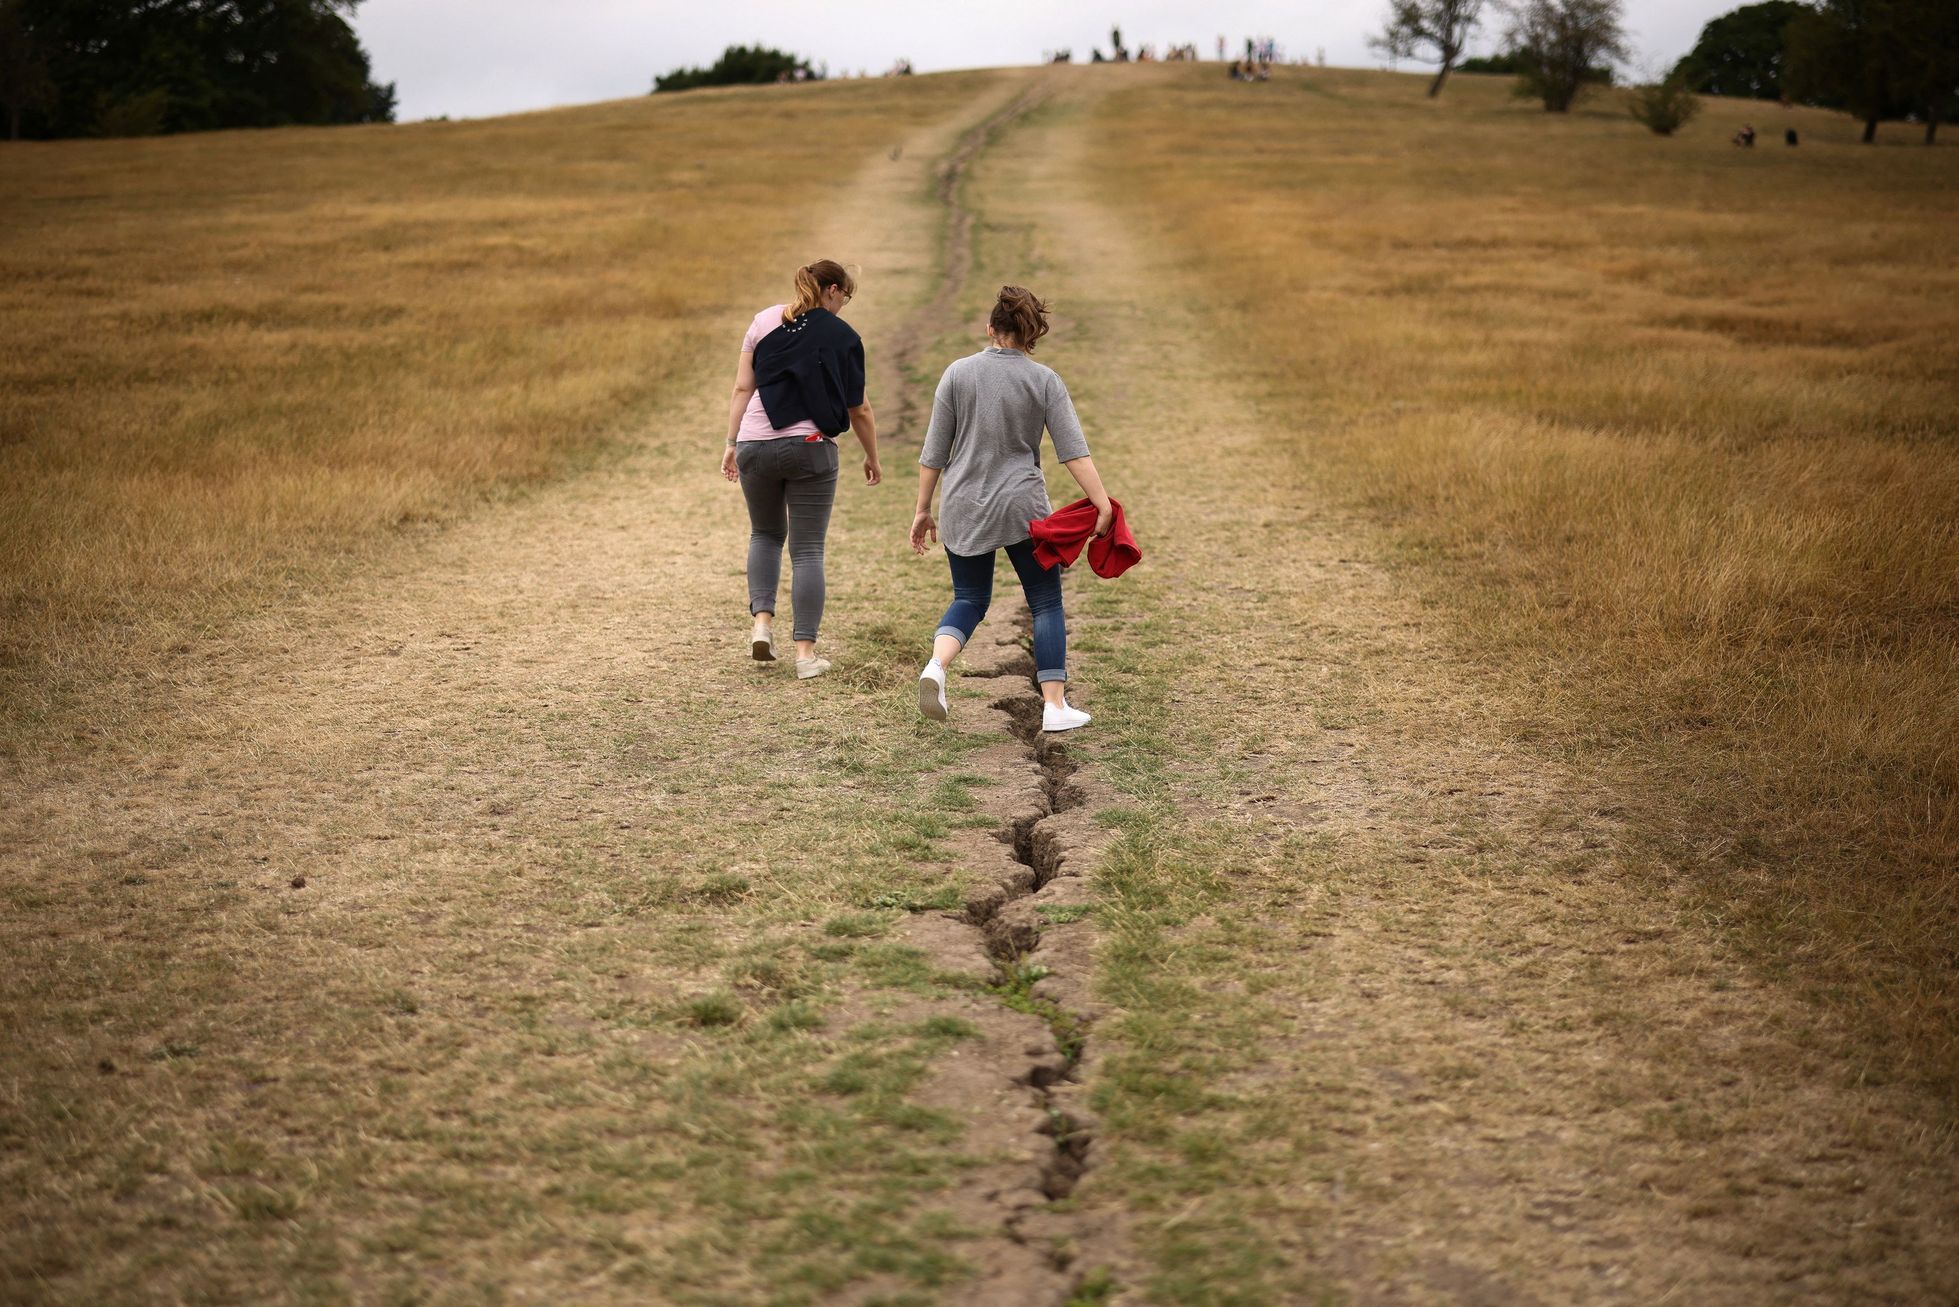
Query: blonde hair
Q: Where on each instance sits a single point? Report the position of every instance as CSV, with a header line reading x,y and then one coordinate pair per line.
x,y
811,281
1019,313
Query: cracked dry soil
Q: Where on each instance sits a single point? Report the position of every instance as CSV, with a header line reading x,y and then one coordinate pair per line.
x,y
1024,932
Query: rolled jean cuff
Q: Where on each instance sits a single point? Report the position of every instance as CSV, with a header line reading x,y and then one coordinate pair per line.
x,y
954,632
1047,674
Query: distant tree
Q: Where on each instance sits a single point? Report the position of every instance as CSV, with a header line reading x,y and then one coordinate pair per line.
x,y
1741,52
24,80
740,65
1930,60
133,66
1430,32
1851,54
1664,106
1561,44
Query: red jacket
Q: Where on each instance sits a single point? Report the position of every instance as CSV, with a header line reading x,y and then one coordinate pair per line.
x,y
1059,537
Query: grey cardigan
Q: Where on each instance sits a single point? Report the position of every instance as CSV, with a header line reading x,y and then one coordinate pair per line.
x,y
986,433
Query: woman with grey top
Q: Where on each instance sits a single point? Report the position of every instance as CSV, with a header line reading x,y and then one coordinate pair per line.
x,y
985,438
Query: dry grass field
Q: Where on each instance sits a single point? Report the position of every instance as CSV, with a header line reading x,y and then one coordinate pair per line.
x,y
1671,429
1512,859
241,356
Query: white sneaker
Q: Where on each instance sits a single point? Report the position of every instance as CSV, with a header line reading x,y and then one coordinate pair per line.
x,y
808,667
761,642
1060,717
931,692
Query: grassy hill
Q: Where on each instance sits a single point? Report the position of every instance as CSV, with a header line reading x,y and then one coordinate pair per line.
x,y
1522,768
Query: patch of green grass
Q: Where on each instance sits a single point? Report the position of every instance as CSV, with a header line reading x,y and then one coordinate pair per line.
x,y
797,1014
946,1027
938,898
896,966
1098,1286
954,793
710,1010
722,887
856,925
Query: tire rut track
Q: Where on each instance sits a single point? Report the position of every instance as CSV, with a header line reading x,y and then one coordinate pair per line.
x,y
1027,914
930,320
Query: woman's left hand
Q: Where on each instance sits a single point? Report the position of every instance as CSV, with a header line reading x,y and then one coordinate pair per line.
x,y
921,527
872,472
729,470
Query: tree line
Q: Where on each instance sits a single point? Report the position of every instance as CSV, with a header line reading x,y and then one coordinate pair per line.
x,y
1877,59
143,67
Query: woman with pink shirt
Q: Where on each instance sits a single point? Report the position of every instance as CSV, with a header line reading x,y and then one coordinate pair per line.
x,y
799,385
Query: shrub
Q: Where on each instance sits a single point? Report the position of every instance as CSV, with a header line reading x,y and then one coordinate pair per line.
x,y
740,65
1664,105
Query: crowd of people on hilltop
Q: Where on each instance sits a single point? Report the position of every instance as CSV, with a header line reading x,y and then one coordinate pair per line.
x,y
1260,54
1256,66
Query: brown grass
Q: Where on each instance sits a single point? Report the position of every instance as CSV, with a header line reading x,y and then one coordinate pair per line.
x,y
1671,429
595,989
240,356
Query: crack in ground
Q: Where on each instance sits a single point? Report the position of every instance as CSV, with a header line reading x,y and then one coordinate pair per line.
x,y
1011,941
930,319
1011,930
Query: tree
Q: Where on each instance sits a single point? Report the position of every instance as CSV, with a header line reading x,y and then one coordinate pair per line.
x,y
1846,53
1930,60
192,65
1741,52
1664,106
1429,31
740,65
1559,43
24,80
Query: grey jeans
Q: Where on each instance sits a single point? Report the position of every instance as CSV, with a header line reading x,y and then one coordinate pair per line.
x,y
790,485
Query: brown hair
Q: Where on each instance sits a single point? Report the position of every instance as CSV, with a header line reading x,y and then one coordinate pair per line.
x,y
1019,313
811,281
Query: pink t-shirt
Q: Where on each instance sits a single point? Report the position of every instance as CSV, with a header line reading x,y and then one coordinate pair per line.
x,y
755,419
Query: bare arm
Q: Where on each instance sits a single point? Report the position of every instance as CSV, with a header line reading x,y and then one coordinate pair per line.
x,y
922,524
864,423
1083,470
737,405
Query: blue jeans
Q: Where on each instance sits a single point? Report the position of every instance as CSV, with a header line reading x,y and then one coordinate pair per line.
x,y
972,591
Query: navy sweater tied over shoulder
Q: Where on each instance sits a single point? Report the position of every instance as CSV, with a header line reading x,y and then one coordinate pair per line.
x,y
811,369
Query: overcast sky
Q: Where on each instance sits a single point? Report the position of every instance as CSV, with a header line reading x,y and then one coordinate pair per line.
x,y
470,58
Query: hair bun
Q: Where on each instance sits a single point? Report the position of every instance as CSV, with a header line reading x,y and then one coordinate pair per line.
x,y
1021,314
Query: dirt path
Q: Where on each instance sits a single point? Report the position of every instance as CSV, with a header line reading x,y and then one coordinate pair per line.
x,y
1405,1014
481,929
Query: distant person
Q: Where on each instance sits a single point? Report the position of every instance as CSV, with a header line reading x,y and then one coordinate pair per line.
x,y
985,439
1746,136
1789,137
799,385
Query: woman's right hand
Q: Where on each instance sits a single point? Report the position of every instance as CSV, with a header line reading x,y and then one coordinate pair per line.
x,y
1105,517
729,470
922,527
